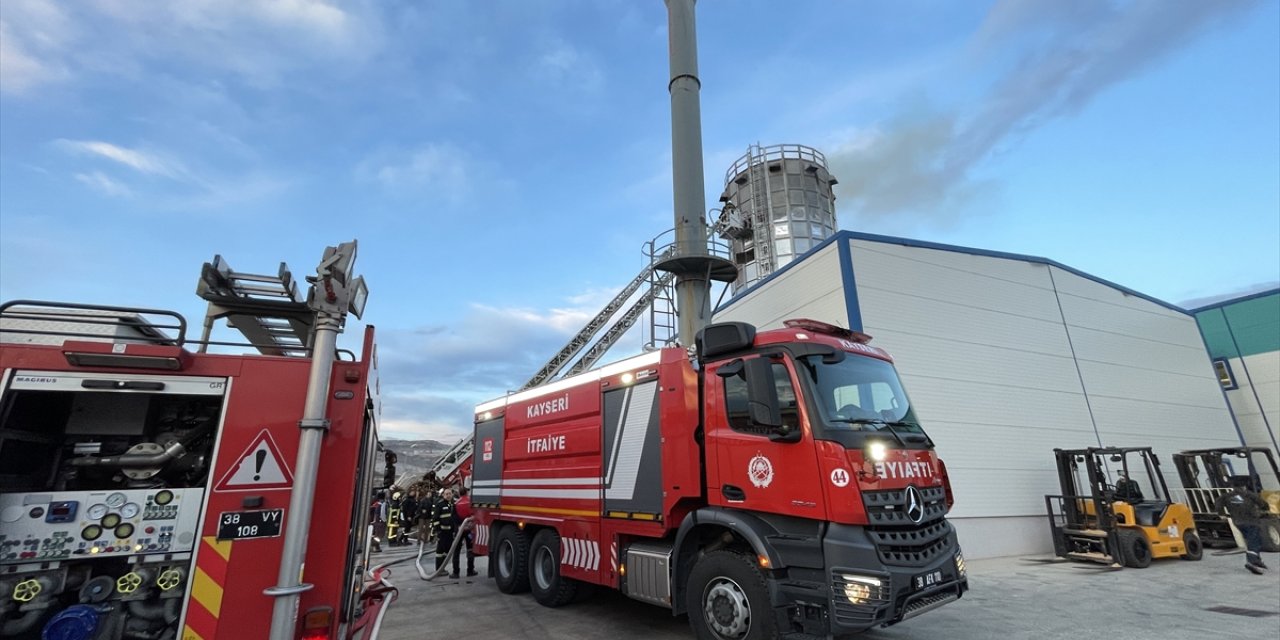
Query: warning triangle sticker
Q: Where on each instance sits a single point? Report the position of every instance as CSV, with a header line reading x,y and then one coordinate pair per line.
x,y
260,467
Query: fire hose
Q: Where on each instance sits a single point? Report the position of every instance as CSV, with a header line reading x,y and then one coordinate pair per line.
x,y
448,558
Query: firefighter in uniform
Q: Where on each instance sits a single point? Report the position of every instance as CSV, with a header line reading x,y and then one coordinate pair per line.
x,y
427,489
444,521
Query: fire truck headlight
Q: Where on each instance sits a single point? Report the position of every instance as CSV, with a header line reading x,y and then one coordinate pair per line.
x,y
876,451
861,589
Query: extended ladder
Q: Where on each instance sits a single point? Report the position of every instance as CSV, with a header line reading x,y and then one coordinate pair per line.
x,y
581,339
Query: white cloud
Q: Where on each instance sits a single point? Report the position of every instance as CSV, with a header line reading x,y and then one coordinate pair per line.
x,y
261,42
141,161
97,180
441,168
566,66
33,33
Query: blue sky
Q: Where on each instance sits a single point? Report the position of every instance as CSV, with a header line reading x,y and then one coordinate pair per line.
x,y
502,162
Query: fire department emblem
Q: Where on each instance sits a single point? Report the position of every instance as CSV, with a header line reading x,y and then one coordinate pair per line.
x,y
760,470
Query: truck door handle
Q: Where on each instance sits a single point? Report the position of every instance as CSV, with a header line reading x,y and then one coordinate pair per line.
x,y
731,492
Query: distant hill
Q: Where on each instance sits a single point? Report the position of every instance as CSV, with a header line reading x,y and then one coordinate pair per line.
x,y
414,457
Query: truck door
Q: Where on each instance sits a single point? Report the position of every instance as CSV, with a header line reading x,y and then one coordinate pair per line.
x,y
746,468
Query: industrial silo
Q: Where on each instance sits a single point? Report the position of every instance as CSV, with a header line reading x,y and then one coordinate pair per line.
x,y
777,204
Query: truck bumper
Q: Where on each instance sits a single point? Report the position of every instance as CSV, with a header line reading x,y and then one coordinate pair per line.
x,y
858,590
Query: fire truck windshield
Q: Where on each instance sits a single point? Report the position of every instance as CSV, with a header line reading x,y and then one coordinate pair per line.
x,y
860,394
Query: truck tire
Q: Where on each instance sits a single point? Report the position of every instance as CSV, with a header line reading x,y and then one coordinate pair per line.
x,y
1194,549
727,599
549,587
1269,529
1134,549
511,560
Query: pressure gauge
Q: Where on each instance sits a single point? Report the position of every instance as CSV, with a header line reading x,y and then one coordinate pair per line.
x,y
164,497
116,499
124,531
111,520
130,510
91,532
97,511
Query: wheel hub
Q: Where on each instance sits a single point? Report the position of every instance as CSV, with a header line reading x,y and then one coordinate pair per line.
x,y
544,566
726,610
506,558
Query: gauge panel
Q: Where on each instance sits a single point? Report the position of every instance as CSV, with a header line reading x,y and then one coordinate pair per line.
x,y
113,524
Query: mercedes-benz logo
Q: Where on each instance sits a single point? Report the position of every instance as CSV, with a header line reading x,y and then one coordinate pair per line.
x,y
915,504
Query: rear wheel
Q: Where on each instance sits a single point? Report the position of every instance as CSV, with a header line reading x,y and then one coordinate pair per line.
x,y
550,588
727,599
1270,532
1194,549
511,560
1135,549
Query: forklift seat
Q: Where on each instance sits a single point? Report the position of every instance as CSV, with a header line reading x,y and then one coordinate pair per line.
x,y
1148,514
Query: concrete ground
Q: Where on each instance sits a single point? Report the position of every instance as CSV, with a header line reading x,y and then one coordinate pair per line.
x,y
1009,598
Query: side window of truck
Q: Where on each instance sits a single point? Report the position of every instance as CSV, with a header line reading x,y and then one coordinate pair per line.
x,y
735,395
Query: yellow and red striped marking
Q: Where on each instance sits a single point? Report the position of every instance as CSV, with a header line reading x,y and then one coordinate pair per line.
x,y
206,589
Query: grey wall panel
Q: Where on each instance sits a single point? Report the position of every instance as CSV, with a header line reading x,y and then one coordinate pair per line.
x,y
1140,370
1256,401
809,289
999,285
907,312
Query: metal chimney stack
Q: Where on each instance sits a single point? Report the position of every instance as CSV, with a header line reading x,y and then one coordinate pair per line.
x,y
693,266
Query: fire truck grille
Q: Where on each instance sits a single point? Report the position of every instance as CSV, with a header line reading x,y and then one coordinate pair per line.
x,y
898,538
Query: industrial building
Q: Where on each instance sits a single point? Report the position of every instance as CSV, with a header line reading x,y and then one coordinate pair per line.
x,y
1243,339
1009,356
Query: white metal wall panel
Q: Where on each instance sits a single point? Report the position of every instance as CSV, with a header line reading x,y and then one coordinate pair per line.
x,y
914,315
999,285
1145,384
1258,378
997,375
981,348
812,288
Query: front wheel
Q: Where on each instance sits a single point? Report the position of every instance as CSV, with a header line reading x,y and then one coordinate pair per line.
x,y
550,588
1135,549
1194,550
1269,529
727,599
511,560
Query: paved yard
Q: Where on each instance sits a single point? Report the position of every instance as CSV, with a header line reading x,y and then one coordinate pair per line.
x,y
1010,598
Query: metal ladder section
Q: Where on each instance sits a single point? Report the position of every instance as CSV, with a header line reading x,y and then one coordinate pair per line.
x,y
624,322
663,321
448,464
268,310
581,339
761,210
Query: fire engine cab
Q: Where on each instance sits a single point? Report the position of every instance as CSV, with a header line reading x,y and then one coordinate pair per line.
x,y
149,487
765,483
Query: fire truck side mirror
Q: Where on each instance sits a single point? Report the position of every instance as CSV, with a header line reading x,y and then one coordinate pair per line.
x,y
762,394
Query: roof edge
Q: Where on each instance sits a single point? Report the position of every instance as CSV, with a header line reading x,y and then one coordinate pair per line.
x,y
1244,298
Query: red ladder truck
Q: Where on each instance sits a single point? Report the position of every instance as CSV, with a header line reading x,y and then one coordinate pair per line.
x,y
767,483
150,488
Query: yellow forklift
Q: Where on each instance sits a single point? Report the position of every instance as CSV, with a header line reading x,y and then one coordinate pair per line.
x,y
1207,474
1115,509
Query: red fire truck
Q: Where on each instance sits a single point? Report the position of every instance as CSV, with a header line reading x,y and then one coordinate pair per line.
x,y
768,484
149,487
